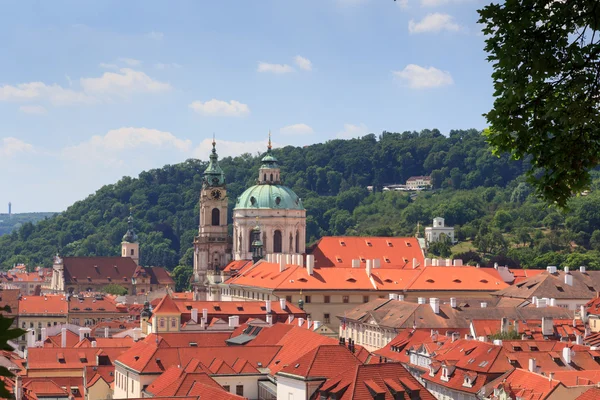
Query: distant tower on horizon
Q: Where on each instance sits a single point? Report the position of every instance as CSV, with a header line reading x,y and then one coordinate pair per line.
x,y
9,209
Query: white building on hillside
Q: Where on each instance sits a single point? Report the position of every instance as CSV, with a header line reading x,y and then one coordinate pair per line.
x,y
438,231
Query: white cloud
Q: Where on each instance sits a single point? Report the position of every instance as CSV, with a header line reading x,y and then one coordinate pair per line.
x,y
108,66
156,35
417,77
37,110
296,129
10,146
132,62
227,148
106,148
167,66
434,23
274,68
220,108
303,63
35,91
124,82
352,131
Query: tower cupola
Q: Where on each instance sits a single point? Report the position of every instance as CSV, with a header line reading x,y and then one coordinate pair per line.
x,y
213,174
269,172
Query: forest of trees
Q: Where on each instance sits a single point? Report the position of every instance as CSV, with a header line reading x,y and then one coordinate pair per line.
x,y
485,197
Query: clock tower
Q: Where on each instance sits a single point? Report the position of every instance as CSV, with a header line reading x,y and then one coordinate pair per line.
x,y
212,247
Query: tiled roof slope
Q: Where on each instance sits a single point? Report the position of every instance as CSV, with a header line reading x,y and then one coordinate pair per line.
x,y
526,385
176,382
590,394
324,361
456,279
49,304
106,270
339,251
166,306
360,382
551,286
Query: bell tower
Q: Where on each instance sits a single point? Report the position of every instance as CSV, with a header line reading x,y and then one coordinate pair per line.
x,y
212,247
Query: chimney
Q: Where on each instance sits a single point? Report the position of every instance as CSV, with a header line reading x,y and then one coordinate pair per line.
x,y
31,338
582,312
94,344
578,339
551,376
19,387
44,335
308,322
106,332
532,365
393,296
356,263
282,304
137,333
541,303
568,279
503,325
281,262
547,326
455,336
317,325
497,342
566,270
202,323
195,315
534,300
582,269
415,263
428,262
566,355
453,302
290,318
369,266
300,321
268,306
553,302
421,300
483,304
448,262
63,337
205,314
300,260
435,304
234,321
458,262
376,263
400,297
82,333
310,263
270,319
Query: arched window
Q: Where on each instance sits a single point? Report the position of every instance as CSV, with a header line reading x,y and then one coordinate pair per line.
x,y
297,242
265,177
277,245
271,177
216,217
132,252
290,248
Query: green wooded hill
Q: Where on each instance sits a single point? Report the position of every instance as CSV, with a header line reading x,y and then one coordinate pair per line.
x,y
15,221
483,196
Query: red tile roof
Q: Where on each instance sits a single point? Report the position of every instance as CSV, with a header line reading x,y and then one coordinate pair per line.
x,y
393,252
528,385
69,358
166,306
49,304
176,382
324,361
93,304
590,394
456,279
359,382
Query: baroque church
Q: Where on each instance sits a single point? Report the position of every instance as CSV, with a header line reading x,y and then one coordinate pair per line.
x,y
268,215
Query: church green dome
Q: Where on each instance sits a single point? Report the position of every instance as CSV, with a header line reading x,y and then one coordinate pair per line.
x,y
270,197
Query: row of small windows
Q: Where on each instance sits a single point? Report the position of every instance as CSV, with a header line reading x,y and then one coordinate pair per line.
x,y
278,241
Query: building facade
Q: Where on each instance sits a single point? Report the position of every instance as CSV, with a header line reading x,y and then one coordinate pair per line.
x,y
439,231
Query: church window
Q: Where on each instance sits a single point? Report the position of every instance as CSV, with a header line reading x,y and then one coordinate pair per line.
x,y
173,322
297,242
271,177
216,217
132,252
277,200
290,248
277,242
265,177
162,322
253,200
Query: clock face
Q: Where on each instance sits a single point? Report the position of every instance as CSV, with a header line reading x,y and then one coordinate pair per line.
x,y
216,194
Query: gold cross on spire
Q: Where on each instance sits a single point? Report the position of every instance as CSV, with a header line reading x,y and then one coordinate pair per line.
x,y
269,146
214,142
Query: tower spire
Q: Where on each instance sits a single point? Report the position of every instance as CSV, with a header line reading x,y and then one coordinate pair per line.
x,y
269,146
213,174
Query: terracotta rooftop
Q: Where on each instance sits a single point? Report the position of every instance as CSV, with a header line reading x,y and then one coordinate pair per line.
x,y
93,304
325,361
67,358
166,306
49,304
362,382
528,385
590,394
456,279
393,252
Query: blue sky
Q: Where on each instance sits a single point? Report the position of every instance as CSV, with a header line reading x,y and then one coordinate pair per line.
x,y
92,91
